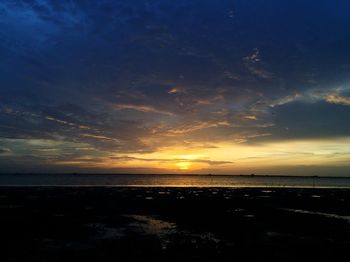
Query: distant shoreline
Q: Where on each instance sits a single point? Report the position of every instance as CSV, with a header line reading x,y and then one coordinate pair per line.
x,y
165,174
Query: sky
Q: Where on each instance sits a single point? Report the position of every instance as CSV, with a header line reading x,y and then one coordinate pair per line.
x,y
185,86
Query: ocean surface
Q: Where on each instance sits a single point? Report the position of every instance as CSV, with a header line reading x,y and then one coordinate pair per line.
x,y
170,181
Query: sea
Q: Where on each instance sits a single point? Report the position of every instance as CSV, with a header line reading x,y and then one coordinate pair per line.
x,y
149,180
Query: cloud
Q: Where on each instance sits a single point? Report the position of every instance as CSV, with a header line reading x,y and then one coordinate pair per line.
x,y
99,137
192,127
175,160
177,90
285,100
142,108
253,63
250,117
73,124
336,99
50,118
4,150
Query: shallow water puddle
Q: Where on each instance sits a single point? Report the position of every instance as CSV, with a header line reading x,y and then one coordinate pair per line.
x,y
167,231
315,196
151,225
300,211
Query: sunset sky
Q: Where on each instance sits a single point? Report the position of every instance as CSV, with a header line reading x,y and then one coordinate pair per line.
x,y
185,86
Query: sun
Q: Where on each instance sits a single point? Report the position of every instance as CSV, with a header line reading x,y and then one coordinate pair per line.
x,y
183,165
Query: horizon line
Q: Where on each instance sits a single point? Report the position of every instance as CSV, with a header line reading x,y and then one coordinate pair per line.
x,y
171,174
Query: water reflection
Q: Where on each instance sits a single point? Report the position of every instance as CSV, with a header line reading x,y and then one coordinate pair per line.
x,y
170,181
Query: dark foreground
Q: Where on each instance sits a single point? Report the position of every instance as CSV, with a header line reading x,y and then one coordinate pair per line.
x,y
174,224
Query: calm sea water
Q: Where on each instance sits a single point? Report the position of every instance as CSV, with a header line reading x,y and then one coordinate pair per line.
x,y
169,180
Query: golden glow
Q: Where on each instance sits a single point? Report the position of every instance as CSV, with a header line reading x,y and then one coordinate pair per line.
x,y
183,165
229,158
192,156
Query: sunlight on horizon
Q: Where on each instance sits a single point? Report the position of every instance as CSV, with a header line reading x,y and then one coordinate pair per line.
x,y
183,165
227,157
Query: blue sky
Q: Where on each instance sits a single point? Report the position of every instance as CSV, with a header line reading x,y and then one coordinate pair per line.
x,y
175,86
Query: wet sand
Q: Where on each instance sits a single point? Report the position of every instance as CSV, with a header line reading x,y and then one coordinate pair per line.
x,y
173,224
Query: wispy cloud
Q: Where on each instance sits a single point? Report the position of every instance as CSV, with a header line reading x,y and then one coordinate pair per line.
x,y
101,137
336,99
190,127
50,118
4,150
142,108
253,63
174,160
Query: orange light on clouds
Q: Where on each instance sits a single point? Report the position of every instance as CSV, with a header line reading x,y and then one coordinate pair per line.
x,y
226,158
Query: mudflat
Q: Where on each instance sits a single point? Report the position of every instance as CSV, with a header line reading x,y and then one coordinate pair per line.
x,y
173,224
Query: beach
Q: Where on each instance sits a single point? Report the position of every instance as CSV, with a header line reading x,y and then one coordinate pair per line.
x,y
172,224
